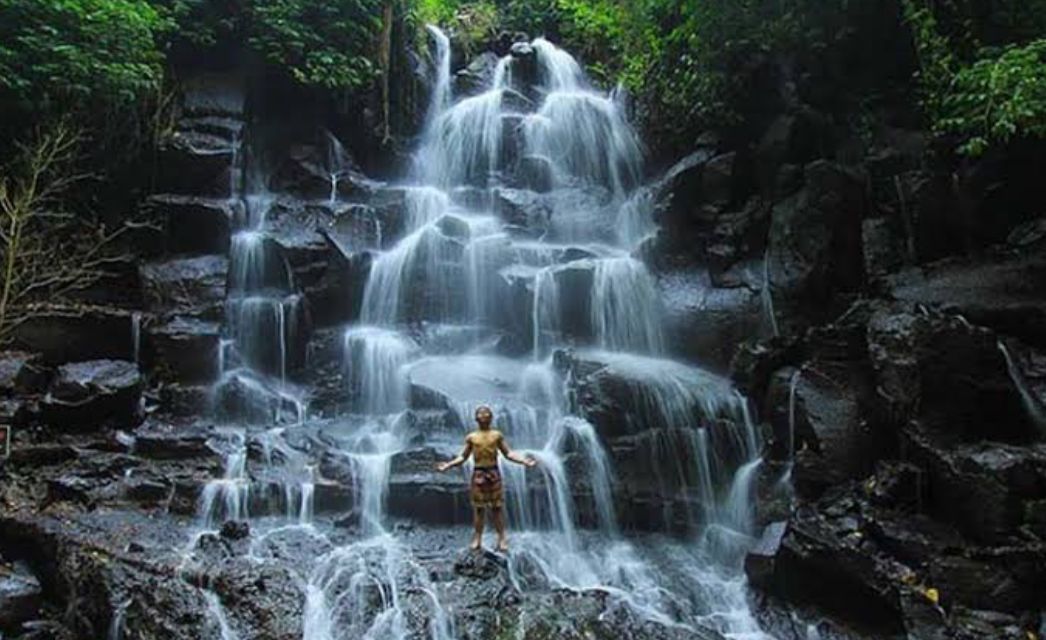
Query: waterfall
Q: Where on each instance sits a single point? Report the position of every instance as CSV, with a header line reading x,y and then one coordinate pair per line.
x,y
136,336
441,86
373,360
217,615
116,623
793,384
473,293
626,312
1032,405
228,498
768,295
338,164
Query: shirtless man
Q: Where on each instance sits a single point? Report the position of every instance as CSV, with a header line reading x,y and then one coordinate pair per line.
x,y
485,489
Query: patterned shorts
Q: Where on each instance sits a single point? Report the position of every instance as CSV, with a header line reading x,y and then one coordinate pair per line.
x,y
485,488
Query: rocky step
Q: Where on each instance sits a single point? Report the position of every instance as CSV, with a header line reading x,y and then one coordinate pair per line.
x,y
196,225
65,333
190,286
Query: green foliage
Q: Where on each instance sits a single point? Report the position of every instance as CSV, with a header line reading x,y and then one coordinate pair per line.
x,y
317,42
321,43
472,23
681,54
998,98
988,96
58,53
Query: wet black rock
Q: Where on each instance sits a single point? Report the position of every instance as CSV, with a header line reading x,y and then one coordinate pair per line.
x,y
235,530
481,565
980,488
418,491
477,76
760,559
318,171
63,334
947,372
790,139
815,243
266,601
21,373
185,350
1001,290
195,225
883,251
94,393
198,163
162,441
705,323
187,285
213,94
523,209
20,595
814,564
534,172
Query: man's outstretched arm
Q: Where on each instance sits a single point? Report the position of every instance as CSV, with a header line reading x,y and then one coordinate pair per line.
x,y
459,460
512,455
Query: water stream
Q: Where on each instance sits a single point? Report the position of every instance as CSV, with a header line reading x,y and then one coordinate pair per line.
x,y
467,305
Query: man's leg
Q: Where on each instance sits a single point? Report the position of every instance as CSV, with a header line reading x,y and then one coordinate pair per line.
x,y
499,526
478,518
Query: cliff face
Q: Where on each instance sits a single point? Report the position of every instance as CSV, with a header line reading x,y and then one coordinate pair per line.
x,y
195,452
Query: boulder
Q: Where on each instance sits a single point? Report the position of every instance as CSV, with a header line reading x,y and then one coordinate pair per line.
x,y
821,417
66,333
523,209
241,396
21,373
981,489
162,441
821,562
258,265
336,298
705,323
196,163
193,286
477,77
94,393
759,561
814,247
195,225
680,188
213,94
20,595
624,394
1001,290
790,139
883,252
979,585
418,491
718,179
948,373
321,171
270,334
534,172
185,350
264,600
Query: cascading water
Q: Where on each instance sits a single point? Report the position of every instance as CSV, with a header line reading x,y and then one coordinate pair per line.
x,y
456,264
470,304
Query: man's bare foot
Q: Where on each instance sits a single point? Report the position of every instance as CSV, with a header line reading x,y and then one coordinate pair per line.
x,y
503,545
475,544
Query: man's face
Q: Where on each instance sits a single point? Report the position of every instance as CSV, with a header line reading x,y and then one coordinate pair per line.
x,y
484,416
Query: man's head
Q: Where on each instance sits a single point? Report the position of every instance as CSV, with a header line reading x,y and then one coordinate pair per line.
x,y
484,415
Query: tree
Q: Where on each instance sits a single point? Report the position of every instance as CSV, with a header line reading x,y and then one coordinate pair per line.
x,y
44,253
